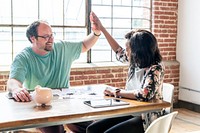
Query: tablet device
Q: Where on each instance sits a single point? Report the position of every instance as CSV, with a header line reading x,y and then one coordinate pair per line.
x,y
98,103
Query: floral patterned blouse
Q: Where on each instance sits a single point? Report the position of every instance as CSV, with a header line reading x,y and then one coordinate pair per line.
x,y
146,83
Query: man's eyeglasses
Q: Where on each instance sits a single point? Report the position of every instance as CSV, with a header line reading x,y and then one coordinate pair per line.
x,y
47,37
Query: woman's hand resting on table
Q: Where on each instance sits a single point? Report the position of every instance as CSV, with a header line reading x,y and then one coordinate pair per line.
x,y
109,91
112,92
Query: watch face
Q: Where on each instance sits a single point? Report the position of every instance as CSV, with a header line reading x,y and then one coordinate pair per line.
x,y
117,91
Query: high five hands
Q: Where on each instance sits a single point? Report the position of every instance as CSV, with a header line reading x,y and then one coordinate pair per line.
x,y
95,23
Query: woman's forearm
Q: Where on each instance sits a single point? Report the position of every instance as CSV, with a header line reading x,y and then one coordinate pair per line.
x,y
113,43
126,94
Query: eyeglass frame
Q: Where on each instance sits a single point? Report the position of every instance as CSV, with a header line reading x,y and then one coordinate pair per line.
x,y
47,37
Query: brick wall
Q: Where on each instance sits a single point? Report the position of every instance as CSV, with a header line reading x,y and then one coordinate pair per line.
x,y
164,26
3,79
114,76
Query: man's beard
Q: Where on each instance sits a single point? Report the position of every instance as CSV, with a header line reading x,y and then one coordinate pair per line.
x,y
48,47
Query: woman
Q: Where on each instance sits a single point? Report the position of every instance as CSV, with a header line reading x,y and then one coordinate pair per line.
x,y
144,82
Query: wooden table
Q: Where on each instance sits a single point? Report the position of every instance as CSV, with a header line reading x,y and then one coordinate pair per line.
x,y
66,109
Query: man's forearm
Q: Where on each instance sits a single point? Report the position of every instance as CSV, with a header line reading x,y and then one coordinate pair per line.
x,y
13,85
17,91
89,41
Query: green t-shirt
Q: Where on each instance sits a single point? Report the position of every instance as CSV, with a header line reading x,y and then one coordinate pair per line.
x,y
51,70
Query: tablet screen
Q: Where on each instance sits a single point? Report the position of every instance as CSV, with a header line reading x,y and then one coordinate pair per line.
x,y
97,103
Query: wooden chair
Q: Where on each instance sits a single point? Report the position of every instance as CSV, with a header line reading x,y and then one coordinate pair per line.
x,y
162,124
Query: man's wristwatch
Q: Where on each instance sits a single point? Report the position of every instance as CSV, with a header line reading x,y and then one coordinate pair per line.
x,y
96,34
117,93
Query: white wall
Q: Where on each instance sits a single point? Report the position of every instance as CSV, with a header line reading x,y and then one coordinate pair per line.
x,y
188,50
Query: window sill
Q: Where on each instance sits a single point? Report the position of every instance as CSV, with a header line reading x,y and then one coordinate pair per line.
x,y
97,64
4,69
80,65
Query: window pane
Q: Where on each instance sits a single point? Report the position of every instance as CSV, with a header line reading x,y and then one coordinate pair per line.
x,y
141,13
5,33
74,12
143,3
101,55
5,12
5,59
122,23
59,33
113,56
122,2
75,34
100,11
25,11
121,12
120,33
5,46
20,40
52,11
106,22
102,2
101,44
139,23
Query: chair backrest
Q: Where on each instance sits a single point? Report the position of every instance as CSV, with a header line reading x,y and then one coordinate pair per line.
x,y
168,95
162,124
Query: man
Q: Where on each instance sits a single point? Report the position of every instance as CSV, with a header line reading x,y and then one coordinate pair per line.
x,y
46,63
